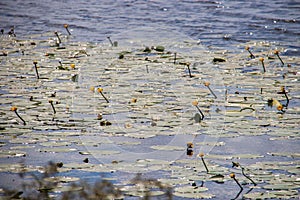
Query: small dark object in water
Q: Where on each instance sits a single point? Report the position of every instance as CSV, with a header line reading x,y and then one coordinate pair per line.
x,y
159,48
59,164
3,54
189,150
219,60
147,50
105,123
12,32
86,160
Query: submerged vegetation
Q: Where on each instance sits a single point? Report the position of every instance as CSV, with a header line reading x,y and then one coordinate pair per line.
x,y
143,123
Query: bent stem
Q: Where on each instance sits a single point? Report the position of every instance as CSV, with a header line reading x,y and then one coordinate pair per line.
x,y
212,92
36,70
247,176
195,103
67,28
100,90
287,99
202,155
207,85
236,164
232,175
251,54
283,91
276,52
51,102
112,44
20,117
59,40
202,116
14,108
104,97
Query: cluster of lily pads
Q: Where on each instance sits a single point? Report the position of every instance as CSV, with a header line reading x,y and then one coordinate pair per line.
x,y
134,104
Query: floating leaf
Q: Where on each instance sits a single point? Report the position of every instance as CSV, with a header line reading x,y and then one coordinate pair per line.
x,y
167,148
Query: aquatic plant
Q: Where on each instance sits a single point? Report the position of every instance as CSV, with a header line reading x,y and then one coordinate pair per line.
x,y
195,103
100,90
14,109
92,88
232,175
207,84
58,38
236,164
156,92
67,28
41,186
113,44
276,52
36,70
175,57
201,155
248,49
72,65
276,103
189,149
263,64
133,100
51,103
148,184
159,48
12,32
188,66
283,91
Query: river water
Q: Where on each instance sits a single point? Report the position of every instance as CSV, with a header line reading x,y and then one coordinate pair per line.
x,y
215,23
